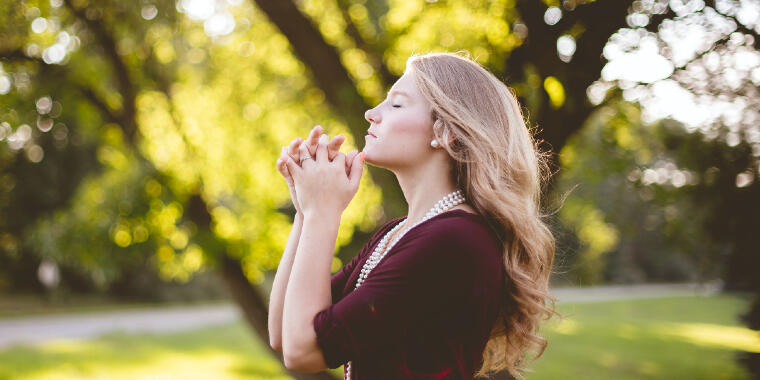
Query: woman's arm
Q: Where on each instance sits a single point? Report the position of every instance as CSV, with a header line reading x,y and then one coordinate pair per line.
x,y
277,296
324,192
279,287
309,292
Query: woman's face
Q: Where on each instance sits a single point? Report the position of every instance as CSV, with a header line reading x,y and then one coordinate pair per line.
x,y
400,128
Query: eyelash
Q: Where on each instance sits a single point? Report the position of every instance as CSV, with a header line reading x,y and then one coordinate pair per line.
x,y
396,105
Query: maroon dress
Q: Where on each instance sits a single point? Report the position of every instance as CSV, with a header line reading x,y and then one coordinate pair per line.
x,y
425,311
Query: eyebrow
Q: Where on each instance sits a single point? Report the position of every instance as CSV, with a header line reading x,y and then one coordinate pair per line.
x,y
398,92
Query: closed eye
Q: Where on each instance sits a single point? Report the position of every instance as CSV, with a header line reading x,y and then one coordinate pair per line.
x,y
396,105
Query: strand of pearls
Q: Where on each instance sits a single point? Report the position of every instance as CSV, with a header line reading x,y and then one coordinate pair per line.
x,y
451,200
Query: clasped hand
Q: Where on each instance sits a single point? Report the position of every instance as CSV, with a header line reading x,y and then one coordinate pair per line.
x,y
325,184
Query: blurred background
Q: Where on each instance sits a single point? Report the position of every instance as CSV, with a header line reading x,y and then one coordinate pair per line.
x,y
142,218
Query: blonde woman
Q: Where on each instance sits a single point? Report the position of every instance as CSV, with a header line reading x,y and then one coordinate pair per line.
x,y
456,288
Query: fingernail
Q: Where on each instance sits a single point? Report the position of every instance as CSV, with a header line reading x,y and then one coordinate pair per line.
x,y
323,139
361,157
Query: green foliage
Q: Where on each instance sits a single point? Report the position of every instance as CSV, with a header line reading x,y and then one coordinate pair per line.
x,y
631,229
115,218
481,27
726,199
211,114
211,119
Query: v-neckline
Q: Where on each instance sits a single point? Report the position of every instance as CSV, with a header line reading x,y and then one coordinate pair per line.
x,y
404,218
355,275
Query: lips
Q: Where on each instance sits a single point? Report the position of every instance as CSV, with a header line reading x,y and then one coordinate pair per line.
x,y
371,134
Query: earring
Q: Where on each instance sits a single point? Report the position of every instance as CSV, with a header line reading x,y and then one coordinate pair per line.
x,y
434,144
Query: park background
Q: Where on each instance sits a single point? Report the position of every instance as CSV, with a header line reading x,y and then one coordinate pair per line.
x,y
138,142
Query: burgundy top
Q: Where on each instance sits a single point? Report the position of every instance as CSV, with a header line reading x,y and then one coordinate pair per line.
x,y
425,311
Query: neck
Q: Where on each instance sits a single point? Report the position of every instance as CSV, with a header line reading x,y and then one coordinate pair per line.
x,y
424,185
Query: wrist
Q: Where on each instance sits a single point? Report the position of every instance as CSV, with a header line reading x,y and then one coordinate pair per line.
x,y
320,216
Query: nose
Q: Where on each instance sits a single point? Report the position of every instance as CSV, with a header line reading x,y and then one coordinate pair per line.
x,y
372,116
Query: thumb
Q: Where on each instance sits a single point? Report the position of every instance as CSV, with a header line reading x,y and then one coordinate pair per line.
x,y
357,168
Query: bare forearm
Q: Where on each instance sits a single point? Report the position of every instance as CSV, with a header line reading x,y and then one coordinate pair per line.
x,y
309,284
277,296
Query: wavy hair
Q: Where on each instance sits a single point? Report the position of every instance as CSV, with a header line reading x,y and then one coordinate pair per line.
x,y
502,171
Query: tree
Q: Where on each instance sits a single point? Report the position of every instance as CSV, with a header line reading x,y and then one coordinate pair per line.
x,y
190,107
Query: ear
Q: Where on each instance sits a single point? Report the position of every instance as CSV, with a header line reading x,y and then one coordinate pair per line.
x,y
437,124
451,139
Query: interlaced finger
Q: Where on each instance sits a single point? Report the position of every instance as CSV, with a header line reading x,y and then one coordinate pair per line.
x,y
293,148
333,147
282,166
313,139
303,152
339,161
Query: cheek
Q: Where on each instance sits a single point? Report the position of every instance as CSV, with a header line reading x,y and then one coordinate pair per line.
x,y
410,128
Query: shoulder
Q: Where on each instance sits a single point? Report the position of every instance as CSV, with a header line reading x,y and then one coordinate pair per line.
x,y
460,229
454,251
456,237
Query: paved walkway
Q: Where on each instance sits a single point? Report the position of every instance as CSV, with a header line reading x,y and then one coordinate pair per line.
x,y
39,329
623,292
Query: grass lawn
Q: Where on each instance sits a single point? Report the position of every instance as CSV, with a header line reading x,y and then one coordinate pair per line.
x,y
666,338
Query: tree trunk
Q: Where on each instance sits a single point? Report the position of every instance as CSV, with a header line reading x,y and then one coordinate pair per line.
x,y
751,360
254,306
255,310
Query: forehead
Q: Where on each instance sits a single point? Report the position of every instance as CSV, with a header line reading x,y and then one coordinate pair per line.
x,y
405,84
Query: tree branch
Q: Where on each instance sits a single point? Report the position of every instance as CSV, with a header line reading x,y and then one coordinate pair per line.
x,y
124,82
374,55
101,105
600,19
739,26
87,92
18,55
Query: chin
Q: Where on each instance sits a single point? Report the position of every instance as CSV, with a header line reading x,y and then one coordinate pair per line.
x,y
371,158
368,158
386,163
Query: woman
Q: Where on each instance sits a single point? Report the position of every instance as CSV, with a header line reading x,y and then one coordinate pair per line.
x,y
454,289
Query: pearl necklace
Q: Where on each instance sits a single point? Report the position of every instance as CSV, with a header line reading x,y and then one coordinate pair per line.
x,y
451,200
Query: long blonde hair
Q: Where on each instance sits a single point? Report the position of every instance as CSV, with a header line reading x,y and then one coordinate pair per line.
x,y
502,171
